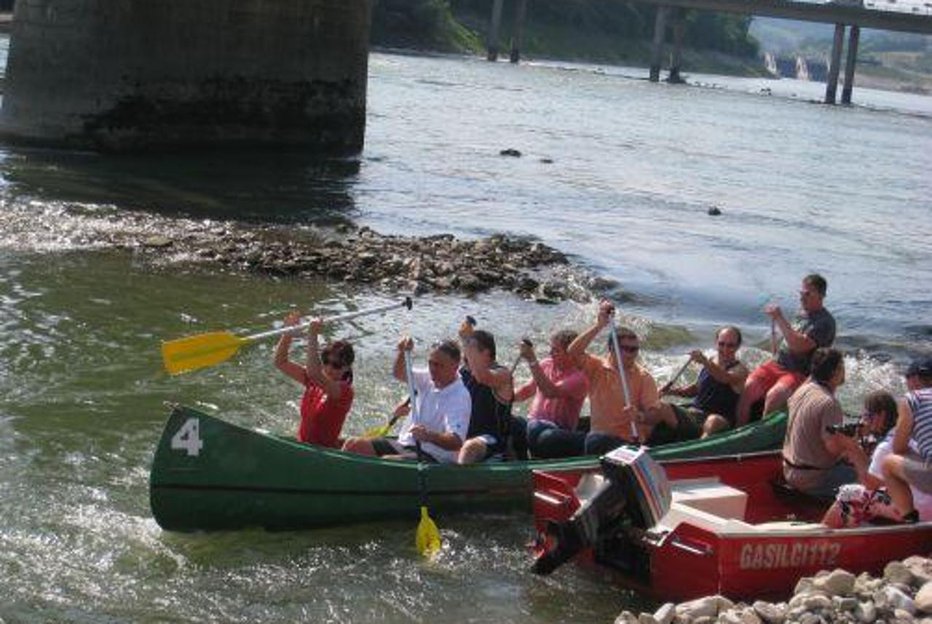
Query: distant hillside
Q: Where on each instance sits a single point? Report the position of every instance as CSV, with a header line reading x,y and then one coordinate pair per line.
x,y
887,60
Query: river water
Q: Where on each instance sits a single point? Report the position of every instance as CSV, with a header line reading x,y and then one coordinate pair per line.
x,y
615,171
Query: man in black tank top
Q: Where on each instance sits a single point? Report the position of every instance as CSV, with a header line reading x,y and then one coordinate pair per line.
x,y
714,394
491,388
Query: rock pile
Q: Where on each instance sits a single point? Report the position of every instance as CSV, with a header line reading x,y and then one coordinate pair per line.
x,y
902,596
438,263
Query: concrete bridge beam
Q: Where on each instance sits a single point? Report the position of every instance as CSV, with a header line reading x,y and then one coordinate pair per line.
x,y
656,56
156,74
831,83
517,41
676,56
854,37
495,25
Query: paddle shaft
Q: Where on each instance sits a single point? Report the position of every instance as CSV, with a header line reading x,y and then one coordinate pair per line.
x,y
680,372
409,376
334,319
621,373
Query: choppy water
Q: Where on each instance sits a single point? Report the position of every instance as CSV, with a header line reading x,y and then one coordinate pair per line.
x,y
634,169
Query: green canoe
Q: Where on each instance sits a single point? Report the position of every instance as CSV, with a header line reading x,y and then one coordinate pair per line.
x,y
208,474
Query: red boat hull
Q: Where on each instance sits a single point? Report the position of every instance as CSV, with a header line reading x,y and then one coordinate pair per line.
x,y
742,561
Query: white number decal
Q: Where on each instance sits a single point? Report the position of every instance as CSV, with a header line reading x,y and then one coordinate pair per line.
x,y
188,437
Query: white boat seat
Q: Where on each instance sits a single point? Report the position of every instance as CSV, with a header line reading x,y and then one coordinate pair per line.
x,y
712,496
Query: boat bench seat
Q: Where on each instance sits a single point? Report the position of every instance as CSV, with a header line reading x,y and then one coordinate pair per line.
x,y
712,496
707,503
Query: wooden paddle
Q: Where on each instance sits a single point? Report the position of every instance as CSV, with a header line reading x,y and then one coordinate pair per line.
x,y
202,350
427,536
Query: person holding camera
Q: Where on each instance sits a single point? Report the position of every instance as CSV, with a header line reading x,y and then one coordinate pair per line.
x,y
869,444
812,455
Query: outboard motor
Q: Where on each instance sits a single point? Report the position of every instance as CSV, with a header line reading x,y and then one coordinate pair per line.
x,y
633,492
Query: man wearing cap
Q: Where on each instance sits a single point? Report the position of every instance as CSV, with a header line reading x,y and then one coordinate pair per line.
x,y
910,464
813,327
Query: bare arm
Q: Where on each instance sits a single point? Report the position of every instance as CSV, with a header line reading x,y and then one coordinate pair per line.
x,y
398,368
313,366
525,392
282,363
446,440
904,428
499,379
861,462
578,347
798,342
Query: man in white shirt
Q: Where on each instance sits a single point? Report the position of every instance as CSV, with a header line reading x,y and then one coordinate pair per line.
x,y
440,420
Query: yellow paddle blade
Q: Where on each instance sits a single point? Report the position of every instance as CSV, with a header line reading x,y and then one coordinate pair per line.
x,y
427,537
378,432
194,352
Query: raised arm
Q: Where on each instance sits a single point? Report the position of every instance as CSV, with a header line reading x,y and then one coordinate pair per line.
x,y
499,379
314,367
578,347
797,341
282,363
398,368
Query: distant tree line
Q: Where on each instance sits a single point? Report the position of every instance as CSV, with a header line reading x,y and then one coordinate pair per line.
x,y
453,24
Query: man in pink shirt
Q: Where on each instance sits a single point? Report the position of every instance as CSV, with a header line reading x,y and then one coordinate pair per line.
x,y
559,390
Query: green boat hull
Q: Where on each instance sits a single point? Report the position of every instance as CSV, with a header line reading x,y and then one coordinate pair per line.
x,y
208,474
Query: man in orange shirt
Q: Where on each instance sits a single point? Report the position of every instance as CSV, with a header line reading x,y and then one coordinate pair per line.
x,y
612,422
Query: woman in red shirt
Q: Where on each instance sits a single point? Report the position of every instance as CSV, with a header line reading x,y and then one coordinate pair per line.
x,y
327,377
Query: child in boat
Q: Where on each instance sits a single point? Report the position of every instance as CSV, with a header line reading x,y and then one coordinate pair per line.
x,y
327,377
861,502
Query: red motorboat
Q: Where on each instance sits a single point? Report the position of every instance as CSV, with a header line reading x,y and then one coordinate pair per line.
x,y
725,526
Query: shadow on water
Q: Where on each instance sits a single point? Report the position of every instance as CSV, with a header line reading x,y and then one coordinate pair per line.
x,y
254,186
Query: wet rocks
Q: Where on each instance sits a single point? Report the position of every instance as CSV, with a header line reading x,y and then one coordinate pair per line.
x,y
440,263
902,595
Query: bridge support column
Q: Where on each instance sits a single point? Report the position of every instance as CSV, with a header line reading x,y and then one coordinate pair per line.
x,y
660,27
143,75
831,85
676,57
495,25
517,40
853,38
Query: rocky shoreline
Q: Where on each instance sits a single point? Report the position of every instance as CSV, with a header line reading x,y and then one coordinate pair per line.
x,y
439,264
903,595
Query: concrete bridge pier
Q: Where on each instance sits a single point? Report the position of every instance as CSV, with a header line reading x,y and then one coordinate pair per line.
x,y
854,37
517,39
656,56
831,83
142,75
676,56
495,25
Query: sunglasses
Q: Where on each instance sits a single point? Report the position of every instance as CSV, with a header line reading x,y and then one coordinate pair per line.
x,y
728,345
629,348
332,363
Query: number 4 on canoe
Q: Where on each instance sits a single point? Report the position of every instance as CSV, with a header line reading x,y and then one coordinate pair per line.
x,y
202,350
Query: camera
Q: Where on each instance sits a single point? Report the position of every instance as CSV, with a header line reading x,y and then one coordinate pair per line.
x,y
848,429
